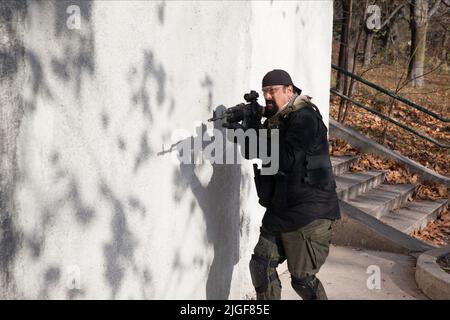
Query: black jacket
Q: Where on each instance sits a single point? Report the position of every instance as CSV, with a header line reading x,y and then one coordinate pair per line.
x,y
304,188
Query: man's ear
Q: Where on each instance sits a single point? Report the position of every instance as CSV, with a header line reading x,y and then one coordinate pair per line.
x,y
291,89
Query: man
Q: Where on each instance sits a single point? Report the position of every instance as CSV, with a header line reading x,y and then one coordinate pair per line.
x,y
300,199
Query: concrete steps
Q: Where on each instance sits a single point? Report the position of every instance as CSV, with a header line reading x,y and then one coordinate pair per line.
x,y
352,184
415,216
343,164
379,201
388,204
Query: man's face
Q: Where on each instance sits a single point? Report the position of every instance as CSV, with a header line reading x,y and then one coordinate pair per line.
x,y
278,95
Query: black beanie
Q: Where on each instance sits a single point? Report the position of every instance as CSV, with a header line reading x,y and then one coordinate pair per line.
x,y
279,77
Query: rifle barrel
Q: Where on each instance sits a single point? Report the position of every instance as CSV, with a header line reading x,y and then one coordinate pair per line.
x,y
218,118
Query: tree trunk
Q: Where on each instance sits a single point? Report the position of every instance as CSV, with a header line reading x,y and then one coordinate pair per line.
x,y
419,25
343,47
368,48
353,83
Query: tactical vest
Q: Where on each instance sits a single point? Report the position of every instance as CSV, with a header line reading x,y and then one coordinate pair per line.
x,y
318,164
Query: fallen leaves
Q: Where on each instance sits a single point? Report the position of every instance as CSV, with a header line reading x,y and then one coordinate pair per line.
x,y
396,173
437,232
340,148
396,138
431,192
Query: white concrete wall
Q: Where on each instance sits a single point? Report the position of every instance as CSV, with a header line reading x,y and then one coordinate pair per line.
x,y
96,208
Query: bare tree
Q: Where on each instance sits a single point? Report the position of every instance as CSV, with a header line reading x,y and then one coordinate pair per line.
x,y
347,8
355,27
371,32
420,16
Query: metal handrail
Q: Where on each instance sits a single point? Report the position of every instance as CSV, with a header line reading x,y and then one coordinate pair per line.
x,y
391,94
358,104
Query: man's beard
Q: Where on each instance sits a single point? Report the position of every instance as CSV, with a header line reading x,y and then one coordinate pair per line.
x,y
271,109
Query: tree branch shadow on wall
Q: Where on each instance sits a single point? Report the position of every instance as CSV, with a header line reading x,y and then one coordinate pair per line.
x,y
219,201
77,60
79,45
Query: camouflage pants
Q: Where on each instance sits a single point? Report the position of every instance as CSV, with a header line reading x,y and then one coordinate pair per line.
x,y
305,250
